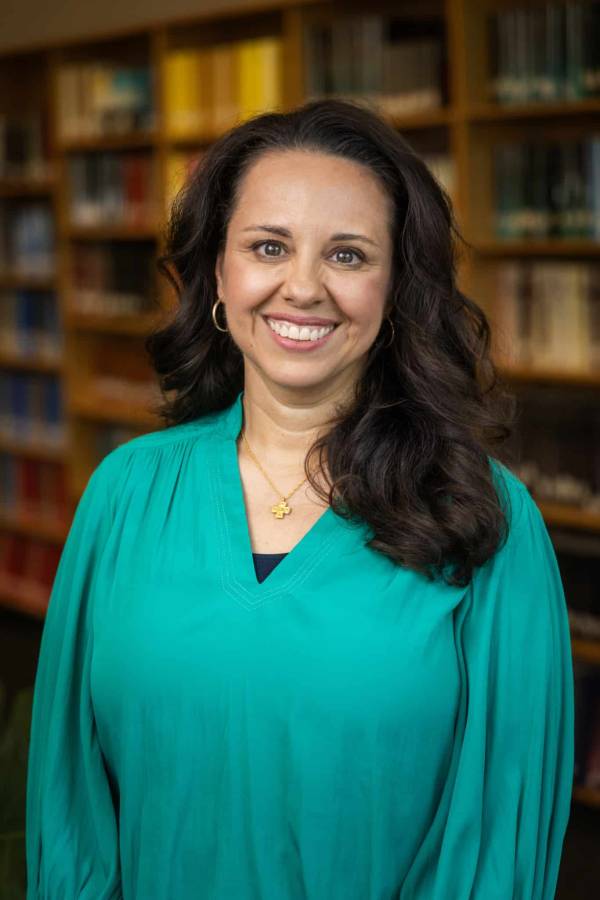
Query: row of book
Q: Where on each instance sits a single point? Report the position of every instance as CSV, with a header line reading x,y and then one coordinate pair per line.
x,y
27,570
388,62
103,98
24,148
34,488
209,88
547,314
586,770
545,52
112,278
27,239
113,188
548,189
30,324
32,408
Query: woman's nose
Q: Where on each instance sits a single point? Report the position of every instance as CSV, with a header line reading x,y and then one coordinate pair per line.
x,y
303,281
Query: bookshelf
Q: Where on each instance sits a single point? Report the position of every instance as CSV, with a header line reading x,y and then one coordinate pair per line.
x,y
104,130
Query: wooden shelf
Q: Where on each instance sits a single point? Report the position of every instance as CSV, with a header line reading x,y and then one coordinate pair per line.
x,y
134,325
30,600
576,247
131,140
16,281
26,187
551,376
490,112
434,118
113,232
586,795
36,450
191,138
562,515
34,525
585,650
30,362
124,412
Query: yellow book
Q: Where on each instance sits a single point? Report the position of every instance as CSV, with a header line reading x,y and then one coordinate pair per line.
x,y
260,75
224,64
175,91
203,90
269,53
183,92
249,75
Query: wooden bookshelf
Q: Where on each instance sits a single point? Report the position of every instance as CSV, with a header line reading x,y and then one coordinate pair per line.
x,y
586,795
464,127
44,527
586,650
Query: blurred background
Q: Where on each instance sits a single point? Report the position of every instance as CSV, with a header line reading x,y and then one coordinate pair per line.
x,y
104,111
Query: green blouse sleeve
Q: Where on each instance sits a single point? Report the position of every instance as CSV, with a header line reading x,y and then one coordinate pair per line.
x,y
71,825
505,806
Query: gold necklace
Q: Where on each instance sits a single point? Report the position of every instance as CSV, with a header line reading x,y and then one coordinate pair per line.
x,y
280,509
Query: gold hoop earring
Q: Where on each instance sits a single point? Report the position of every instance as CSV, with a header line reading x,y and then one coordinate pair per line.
x,y
391,341
214,315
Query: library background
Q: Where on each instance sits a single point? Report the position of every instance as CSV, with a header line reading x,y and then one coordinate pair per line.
x,y
97,134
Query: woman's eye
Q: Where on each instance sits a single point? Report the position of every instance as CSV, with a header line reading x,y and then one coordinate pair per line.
x,y
266,244
347,253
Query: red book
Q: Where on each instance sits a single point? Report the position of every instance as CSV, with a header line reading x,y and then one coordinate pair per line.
x,y
28,486
134,179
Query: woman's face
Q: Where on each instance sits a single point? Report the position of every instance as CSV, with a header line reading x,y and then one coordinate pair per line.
x,y
309,239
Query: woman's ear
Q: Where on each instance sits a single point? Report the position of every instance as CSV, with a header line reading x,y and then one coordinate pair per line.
x,y
218,273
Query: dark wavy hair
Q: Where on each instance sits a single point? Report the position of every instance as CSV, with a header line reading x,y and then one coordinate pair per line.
x,y
411,456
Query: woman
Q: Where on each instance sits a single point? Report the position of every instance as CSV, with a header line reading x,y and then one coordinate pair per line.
x,y
378,704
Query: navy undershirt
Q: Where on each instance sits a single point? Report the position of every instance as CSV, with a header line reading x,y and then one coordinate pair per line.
x,y
265,563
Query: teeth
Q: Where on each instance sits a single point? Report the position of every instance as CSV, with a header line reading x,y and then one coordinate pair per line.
x,y
297,333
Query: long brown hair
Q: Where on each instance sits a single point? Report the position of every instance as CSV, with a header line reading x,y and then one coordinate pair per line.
x,y
412,456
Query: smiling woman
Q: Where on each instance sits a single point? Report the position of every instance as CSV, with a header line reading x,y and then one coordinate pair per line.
x,y
354,686
311,274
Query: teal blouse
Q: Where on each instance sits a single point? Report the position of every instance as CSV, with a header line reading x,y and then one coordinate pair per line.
x,y
343,730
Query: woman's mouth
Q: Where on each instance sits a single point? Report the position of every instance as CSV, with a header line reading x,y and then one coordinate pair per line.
x,y
298,337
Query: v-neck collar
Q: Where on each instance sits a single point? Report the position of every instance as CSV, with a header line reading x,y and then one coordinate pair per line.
x,y
235,550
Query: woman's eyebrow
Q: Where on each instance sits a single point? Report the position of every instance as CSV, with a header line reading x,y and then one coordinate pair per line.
x,y
284,232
